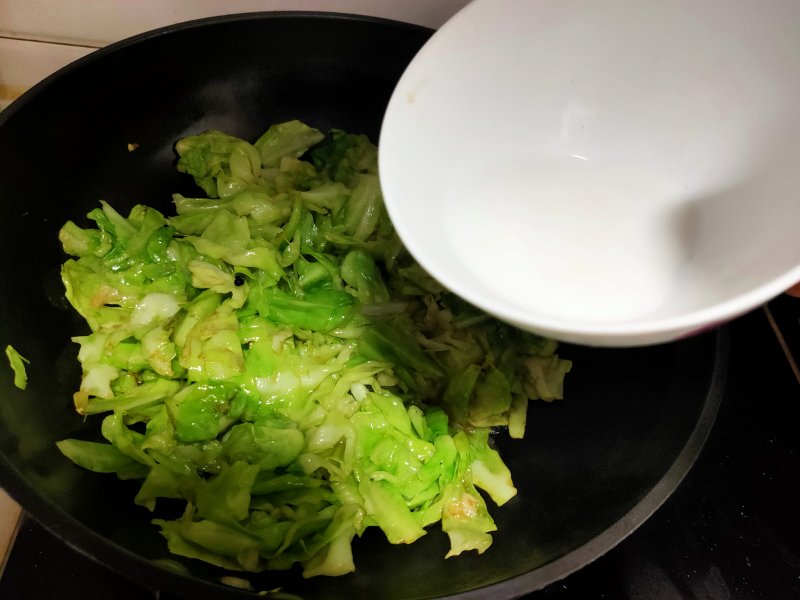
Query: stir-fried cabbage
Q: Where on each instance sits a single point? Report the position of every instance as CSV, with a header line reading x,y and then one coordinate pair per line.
x,y
272,356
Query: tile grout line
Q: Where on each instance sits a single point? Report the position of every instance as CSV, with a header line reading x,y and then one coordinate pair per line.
x,y
50,42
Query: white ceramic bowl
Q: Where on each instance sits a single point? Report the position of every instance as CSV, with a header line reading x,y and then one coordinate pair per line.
x,y
610,172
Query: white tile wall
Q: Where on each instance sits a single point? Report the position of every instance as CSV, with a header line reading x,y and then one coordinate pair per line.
x,y
97,22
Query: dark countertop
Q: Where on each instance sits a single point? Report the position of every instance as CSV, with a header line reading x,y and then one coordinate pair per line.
x,y
730,531
732,528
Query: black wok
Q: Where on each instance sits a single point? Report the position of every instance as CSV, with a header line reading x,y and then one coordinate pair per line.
x,y
591,469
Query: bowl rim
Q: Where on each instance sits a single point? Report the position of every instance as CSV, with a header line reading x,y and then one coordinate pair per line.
x,y
635,331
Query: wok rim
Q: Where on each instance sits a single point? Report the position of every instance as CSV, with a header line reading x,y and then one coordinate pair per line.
x,y
148,574
99,53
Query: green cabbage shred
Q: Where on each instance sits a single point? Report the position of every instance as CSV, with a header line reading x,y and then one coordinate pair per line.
x,y
17,363
272,356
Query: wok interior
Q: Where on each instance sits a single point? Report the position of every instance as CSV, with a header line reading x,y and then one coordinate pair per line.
x,y
584,463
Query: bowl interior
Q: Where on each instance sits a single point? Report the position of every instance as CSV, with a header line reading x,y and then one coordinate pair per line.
x,y
587,464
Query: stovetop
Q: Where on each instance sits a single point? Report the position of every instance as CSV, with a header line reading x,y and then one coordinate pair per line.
x,y
730,531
